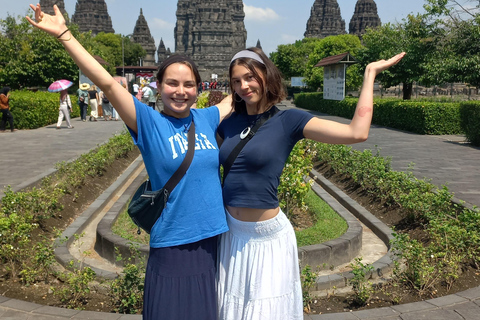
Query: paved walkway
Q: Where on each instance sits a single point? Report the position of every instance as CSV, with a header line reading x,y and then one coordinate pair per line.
x,y
28,155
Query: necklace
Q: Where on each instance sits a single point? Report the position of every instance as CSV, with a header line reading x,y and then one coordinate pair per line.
x,y
262,117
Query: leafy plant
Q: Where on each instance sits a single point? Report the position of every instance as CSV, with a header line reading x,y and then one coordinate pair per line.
x,y
308,281
126,291
362,288
77,286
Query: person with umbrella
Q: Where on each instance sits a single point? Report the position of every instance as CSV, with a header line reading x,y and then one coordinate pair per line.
x,y
65,102
82,100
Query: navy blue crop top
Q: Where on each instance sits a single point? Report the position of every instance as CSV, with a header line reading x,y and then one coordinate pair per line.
x,y
255,175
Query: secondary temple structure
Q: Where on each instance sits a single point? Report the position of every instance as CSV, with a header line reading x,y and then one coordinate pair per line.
x,y
142,36
92,15
210,32
325,20
365,16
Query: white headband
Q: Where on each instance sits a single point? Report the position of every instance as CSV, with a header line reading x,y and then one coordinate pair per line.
x,y
247,54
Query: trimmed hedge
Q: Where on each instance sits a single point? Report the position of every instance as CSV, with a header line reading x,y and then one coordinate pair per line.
x,y
33,110
470,118
421,117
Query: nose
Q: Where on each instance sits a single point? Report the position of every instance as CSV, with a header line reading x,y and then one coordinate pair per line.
x,y
244,84
180,89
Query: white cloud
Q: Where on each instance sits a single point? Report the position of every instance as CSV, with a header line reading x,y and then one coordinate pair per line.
x,y
260,14
161,24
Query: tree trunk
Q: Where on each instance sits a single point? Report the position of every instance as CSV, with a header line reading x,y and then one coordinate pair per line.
x,y
407,90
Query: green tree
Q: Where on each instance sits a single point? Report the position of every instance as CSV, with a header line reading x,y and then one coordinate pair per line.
x,y
457,56
31,57
414,36
299,58
331,46
291,59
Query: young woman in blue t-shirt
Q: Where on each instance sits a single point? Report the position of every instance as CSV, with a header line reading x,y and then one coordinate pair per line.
x,y
180,280
259,277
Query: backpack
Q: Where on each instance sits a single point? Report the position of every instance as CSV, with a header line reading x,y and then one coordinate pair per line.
x,y
105,99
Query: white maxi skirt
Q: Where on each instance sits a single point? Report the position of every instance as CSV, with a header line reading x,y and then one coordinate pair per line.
x,y
258,274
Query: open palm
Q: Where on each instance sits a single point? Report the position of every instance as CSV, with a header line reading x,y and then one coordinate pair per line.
x,y
381,65
53,25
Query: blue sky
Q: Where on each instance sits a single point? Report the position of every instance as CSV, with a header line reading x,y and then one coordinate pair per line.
x,y
274,22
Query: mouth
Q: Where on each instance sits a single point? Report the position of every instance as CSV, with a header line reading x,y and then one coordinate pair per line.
x,y
179,100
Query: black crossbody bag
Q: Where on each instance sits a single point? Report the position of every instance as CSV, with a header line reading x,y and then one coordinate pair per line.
x,y
146,205
245,136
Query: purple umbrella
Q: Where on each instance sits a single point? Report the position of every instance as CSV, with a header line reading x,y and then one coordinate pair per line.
x,y
153,84
60,85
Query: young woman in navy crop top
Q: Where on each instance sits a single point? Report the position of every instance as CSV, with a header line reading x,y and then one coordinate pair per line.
x,y
180,280
258,273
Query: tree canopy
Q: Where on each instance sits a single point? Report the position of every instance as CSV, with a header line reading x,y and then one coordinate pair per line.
x,y
30,57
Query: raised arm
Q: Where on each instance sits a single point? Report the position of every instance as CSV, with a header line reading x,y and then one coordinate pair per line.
x,y
357,131
120,98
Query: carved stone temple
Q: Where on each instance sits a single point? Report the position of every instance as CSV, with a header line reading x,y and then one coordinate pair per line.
x,y
210,32
325,20
47,7
92,15
365,16
142,36
162,52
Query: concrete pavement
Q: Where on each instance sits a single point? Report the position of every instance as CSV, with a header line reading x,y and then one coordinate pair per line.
x,y
31,154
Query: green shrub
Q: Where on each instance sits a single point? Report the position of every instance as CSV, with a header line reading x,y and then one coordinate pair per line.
x,y
33,110
470,121
421,117
452,232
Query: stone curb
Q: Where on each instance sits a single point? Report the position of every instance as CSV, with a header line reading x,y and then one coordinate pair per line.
x,y
62,253
382,266
333,252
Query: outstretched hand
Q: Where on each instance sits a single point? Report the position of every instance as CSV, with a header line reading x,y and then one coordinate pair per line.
x,y
381,65
54,25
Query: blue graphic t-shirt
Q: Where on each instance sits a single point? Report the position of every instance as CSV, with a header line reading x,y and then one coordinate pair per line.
x,y
194,210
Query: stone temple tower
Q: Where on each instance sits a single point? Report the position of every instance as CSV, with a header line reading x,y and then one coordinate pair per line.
x,y
162,52
210,32
365,16
142,36
47,7
325,20
92,15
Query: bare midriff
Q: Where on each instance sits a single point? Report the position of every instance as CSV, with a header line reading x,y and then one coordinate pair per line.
x,y
252,214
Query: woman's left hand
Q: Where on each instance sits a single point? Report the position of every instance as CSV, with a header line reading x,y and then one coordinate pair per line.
x,y
53,25
381,65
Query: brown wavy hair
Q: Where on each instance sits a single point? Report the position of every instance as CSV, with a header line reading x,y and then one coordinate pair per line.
x,y
268,77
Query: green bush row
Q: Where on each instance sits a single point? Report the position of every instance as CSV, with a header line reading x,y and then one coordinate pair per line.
x,y
24,211
421,117
453,231
470,119
33,110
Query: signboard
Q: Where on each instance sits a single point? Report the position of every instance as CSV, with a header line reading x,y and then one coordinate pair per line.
x,y
297,82
334,82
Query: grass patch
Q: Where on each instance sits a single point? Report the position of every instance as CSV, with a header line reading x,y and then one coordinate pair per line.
x,y
125,228
328,224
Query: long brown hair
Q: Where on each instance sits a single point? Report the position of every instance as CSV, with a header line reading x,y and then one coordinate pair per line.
x,y
270,80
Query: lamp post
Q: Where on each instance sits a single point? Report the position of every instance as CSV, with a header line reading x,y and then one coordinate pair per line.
x,y
123,55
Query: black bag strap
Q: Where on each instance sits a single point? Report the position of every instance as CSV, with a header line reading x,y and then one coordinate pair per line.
x,y
178,175
247,134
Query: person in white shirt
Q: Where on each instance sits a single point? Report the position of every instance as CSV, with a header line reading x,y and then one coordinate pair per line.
x,y
65,109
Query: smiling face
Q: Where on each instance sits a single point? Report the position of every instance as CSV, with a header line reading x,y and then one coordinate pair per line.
x,y
247,87
178,89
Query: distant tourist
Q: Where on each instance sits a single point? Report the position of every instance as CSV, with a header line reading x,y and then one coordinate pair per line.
x,y
5,109
65,109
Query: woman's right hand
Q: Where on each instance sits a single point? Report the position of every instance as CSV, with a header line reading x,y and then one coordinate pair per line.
x,y
53,25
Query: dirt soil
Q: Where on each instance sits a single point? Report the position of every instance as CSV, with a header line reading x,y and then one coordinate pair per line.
x,y
99,300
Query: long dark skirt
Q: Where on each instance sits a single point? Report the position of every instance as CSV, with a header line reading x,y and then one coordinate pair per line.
x,y
180,282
